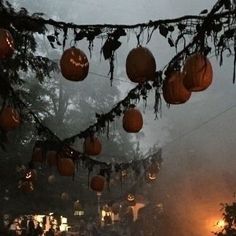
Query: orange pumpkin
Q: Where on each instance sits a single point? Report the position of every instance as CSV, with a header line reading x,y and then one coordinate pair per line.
x,y
97,183
6,44
37,155
132,120
65,166
140,65
9,119
173,89
74,64
52,158
198,73
92,146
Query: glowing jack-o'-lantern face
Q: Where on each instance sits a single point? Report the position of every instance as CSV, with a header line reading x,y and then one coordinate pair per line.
x,y
130,197
74,64
31,175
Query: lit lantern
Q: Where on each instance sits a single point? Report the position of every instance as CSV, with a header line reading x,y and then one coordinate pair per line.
x,y
132,120
74,64
9,119
140,65
65,166
51,179
131,199
65,196
97,183
6,44
78,210
174,91
198,73
92,146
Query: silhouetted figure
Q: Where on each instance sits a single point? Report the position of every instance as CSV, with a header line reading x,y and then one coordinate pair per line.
x,y
23,226
38,230
31,228
50,232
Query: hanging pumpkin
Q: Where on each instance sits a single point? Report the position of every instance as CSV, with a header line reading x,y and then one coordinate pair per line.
x,y
74,64
198,73
140,65
37,155
6,44
132,120
65,166
92,146
173,89
52,158
9,119
97,183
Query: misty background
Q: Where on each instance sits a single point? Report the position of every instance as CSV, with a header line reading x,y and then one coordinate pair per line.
x,y
197,138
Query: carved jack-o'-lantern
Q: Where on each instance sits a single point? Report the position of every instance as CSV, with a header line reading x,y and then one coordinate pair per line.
x,y
92,146
31,175
198,73
140,65
6,44
174,91
132,120
131,200
97,183
65,166
9,119
74,64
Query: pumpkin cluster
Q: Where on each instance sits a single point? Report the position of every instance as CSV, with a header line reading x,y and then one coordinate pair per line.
x,y
196,76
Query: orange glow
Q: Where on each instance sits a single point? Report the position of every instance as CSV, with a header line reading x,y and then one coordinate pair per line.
x,y
221,224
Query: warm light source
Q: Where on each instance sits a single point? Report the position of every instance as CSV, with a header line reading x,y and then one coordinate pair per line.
x,y
221,224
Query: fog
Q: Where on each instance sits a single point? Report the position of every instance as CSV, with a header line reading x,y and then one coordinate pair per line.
x,y
197,138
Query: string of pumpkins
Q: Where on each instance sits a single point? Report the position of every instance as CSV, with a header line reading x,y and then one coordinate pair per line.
x,y
9,116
